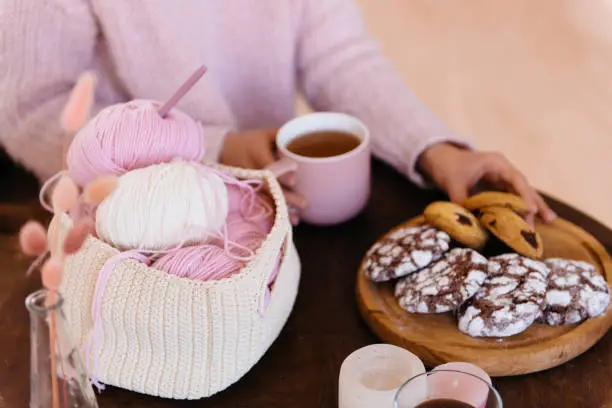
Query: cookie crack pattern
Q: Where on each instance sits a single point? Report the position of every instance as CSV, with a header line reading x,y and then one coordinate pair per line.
x,y
445,285
405,251
510,299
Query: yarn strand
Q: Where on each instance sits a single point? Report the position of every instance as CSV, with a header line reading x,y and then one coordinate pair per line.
x,y
45,188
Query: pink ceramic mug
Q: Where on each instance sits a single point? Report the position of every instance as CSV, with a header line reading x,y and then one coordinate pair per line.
x,y
336,187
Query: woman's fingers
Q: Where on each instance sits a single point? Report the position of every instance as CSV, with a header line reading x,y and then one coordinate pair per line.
x,y
295,200
530,218
287,180
263,156
264,153
457,192
296,203
294,218
518,183
536,204
544,210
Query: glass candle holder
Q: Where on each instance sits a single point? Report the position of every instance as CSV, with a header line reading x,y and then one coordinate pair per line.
x,y
370,376
447,388
471,391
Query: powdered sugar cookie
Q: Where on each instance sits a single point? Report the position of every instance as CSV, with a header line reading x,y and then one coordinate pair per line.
x,y
445,285
510,300
405,251
576,292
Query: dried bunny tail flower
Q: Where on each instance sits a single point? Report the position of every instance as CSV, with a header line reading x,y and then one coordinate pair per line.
x,y
78,108
65,194
77,235
33,238
64,197
51,273
96,191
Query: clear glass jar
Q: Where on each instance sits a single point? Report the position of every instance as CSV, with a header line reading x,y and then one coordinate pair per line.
x,y
57,375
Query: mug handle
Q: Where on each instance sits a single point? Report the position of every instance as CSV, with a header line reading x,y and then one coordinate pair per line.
x,y
282,167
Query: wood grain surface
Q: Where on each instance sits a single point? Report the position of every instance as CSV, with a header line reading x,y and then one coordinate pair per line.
x,y
301,368
436,339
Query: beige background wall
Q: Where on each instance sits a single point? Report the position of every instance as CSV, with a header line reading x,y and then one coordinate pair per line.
x,y
530,78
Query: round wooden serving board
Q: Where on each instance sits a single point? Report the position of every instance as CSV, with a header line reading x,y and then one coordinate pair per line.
x,y
437,340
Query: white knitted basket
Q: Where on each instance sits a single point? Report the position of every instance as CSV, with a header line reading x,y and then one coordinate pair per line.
x,y
178,338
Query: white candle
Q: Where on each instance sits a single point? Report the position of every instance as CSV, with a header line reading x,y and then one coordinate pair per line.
x,y
460,387
370,376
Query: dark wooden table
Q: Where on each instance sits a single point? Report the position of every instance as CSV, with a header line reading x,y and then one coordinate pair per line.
x,y
301,368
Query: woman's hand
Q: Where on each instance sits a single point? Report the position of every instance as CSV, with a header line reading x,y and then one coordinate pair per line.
x,y
255,149
457,171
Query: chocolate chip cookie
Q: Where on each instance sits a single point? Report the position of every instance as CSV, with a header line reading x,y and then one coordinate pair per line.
x,y
576,292
509,301
404,251
458,222
444,285
486,199
510,228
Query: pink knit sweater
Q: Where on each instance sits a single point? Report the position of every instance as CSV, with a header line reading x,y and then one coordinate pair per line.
x,y
259,53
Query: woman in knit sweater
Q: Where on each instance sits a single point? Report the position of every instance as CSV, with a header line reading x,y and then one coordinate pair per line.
x,y
257,54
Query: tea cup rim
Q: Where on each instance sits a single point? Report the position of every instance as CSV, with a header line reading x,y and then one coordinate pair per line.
x,y
364,137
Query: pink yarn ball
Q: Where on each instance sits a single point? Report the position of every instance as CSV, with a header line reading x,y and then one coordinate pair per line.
x,y
202,262
246,224
251,205
234,197
132,135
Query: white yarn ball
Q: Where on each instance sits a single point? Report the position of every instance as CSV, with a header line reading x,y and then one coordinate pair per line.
x,y
162,205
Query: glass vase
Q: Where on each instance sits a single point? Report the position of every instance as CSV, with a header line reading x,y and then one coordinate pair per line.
x,y
57,378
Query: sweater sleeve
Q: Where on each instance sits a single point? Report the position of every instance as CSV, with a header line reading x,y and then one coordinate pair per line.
x,y
214,136
340,68
44,47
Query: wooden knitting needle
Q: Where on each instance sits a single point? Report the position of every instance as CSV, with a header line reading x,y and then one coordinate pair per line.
x,y
178,95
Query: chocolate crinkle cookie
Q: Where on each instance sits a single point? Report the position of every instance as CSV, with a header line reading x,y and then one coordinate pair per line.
x,y
510,300
576,292
445,285
405,251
